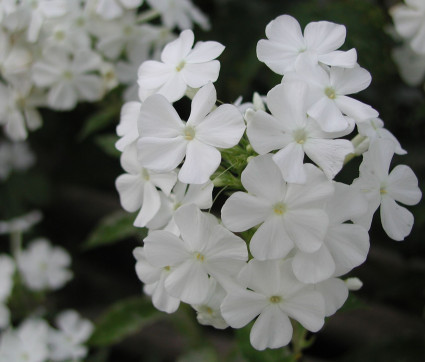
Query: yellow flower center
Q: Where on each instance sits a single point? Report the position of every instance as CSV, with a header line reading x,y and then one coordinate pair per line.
x,y
279,208
330,93
180,66
275,299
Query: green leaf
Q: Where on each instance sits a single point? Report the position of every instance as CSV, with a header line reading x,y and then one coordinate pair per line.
x,y
205,354
122,319
114,228
100,120
268,355
107,144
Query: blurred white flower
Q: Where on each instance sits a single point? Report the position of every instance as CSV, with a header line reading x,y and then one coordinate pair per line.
x,y
44,266
21,224
67,342
15,156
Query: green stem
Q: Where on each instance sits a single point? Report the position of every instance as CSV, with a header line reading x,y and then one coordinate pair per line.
x,y
16,243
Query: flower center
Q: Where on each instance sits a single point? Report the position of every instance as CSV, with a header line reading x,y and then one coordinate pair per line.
x,y
279,208
189,133
330,92
198,256
167,268
145,174
60,35
275,299
67,74
180,66
300,136
383,191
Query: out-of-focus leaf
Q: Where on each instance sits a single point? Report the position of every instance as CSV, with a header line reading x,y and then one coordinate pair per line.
x,y
100,120
122,319
114,228
107,144
252,355
352,303
204,355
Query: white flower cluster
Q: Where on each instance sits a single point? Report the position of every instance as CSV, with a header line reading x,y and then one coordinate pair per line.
x,y
36,341
56,53
303,229
41,267
409,28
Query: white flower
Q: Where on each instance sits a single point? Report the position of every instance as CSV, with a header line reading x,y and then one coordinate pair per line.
x,y
21,224
123,34
286,44
383,189
40,10
44,266
180,67
26,344
154,278
274,295
182,194
345,245
208,312
15,156
165,140
111,9
127,70
138,187
374,129
411,65
294,134
127,129
66,343
329,90
18,112
180,13
205,249
334,292
68,78
409,21
289,215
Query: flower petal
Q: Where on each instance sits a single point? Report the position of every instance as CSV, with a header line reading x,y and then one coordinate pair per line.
x,y
396,220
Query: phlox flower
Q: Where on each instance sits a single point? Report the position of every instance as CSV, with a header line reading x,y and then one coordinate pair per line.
x,y
165,140
127,129
374,129
18,112
409,22
294,134
286,45
68,77
411,65
345,245
182,194
40,11
329,90
15,156
208,312
66,343
382,189
180,67
180,13
289,215
27,343
274,295
21,224
334,292
138,187
153,278
205,249
44,266
111,9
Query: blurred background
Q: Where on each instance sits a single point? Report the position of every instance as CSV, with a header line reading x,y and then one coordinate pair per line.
x,y
73,184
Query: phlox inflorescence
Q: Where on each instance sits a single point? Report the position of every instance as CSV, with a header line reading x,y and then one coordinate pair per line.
x,y
288,231
58,53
